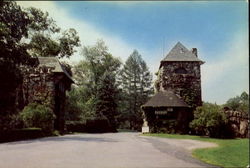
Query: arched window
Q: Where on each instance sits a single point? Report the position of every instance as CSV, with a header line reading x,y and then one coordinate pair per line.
x,y
180,71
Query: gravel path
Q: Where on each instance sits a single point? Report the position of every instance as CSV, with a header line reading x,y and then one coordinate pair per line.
x,y
112,150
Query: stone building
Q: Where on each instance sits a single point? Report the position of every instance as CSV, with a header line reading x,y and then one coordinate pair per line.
x,y
178,91
46,84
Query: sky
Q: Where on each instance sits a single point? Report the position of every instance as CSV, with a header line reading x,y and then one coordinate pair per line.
x,y
218,29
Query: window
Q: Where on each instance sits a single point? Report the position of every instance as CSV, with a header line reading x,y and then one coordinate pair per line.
x,y
180,71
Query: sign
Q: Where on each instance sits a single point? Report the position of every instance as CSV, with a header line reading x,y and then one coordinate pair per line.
x,y
161,112
145,129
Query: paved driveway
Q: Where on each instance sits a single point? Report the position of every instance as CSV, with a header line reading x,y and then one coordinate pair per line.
x,y
114,150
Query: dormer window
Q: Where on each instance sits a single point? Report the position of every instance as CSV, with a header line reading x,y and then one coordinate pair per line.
x,y
180,71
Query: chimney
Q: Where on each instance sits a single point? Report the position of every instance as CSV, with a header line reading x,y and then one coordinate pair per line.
x,y
194,51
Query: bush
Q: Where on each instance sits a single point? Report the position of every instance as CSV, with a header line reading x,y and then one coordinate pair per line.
x,y
210,120
76,126
37,115
98,125
10,122
21,134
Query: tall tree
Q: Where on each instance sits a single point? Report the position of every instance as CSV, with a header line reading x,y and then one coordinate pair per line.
x,y
137,87
107,98
96,74
13,27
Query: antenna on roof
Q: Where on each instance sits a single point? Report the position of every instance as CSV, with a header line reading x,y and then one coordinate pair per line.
x,y
163,48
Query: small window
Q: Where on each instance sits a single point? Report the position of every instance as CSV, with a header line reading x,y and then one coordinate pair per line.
x,y
180,71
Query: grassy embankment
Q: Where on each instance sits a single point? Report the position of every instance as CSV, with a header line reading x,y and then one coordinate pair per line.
x,y
229,153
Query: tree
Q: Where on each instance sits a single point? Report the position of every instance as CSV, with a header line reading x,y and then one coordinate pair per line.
x,y
107,98
209,119
14,24
137,87
24,35
240,103
95,77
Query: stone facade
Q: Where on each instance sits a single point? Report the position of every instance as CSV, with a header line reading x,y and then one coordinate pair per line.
x,y
46,84
183,78
239,122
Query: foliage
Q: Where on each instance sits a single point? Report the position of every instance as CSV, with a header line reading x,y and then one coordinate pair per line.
x,y
107,98
37,115
229,153
190,98
21,134
72,107
210,120
99,125
25,34
13,27
76,126
95,95
136,84
239,103
11,122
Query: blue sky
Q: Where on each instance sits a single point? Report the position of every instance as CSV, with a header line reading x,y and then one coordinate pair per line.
x,y
218,29
146,24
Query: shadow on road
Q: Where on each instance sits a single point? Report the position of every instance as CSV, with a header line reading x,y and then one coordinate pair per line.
x,y
63,139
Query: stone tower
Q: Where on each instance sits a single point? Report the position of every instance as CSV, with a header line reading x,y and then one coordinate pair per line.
x,y
179,72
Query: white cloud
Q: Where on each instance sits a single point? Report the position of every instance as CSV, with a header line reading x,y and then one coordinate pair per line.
x,y
228,77
88,34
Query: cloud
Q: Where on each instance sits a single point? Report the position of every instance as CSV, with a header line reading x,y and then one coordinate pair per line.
x,y
227,77
222,78
88,33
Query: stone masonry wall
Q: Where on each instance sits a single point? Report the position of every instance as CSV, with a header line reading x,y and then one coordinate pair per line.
x,y
187,84
37,86
239,122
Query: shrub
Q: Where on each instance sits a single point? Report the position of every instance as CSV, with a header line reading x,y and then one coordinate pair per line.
x,y
20,134
98,125
10,122
37,115
210,120
76,126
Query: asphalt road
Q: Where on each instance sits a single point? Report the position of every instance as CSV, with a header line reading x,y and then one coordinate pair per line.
x,y
112,150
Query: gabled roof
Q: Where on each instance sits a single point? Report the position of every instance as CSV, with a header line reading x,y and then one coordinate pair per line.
x,y
55,63
165,99
180,53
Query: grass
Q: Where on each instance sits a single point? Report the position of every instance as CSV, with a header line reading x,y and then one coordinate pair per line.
x,y
229,153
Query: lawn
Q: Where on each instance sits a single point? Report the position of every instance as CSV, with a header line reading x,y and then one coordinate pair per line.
x,y
229,153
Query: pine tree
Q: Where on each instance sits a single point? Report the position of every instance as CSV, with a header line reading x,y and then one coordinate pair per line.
x,y
107,98
137,87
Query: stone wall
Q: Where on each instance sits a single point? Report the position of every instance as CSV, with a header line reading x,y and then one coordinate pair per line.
x,y
239,122
183,78
38,86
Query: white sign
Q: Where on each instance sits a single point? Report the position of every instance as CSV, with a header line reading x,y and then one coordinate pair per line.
x,y
145,129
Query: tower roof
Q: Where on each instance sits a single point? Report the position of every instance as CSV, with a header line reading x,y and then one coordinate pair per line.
x,y
180,53
165,99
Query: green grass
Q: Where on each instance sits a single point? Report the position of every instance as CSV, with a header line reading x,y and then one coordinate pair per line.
x,y
229,153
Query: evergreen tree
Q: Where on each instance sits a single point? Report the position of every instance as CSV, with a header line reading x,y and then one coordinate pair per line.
x,y
107,98
137,87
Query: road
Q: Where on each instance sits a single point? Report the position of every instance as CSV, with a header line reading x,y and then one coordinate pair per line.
x,y
111,150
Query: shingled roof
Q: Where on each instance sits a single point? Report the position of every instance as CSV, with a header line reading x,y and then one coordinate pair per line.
x,y
180,53
55,63
165,99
